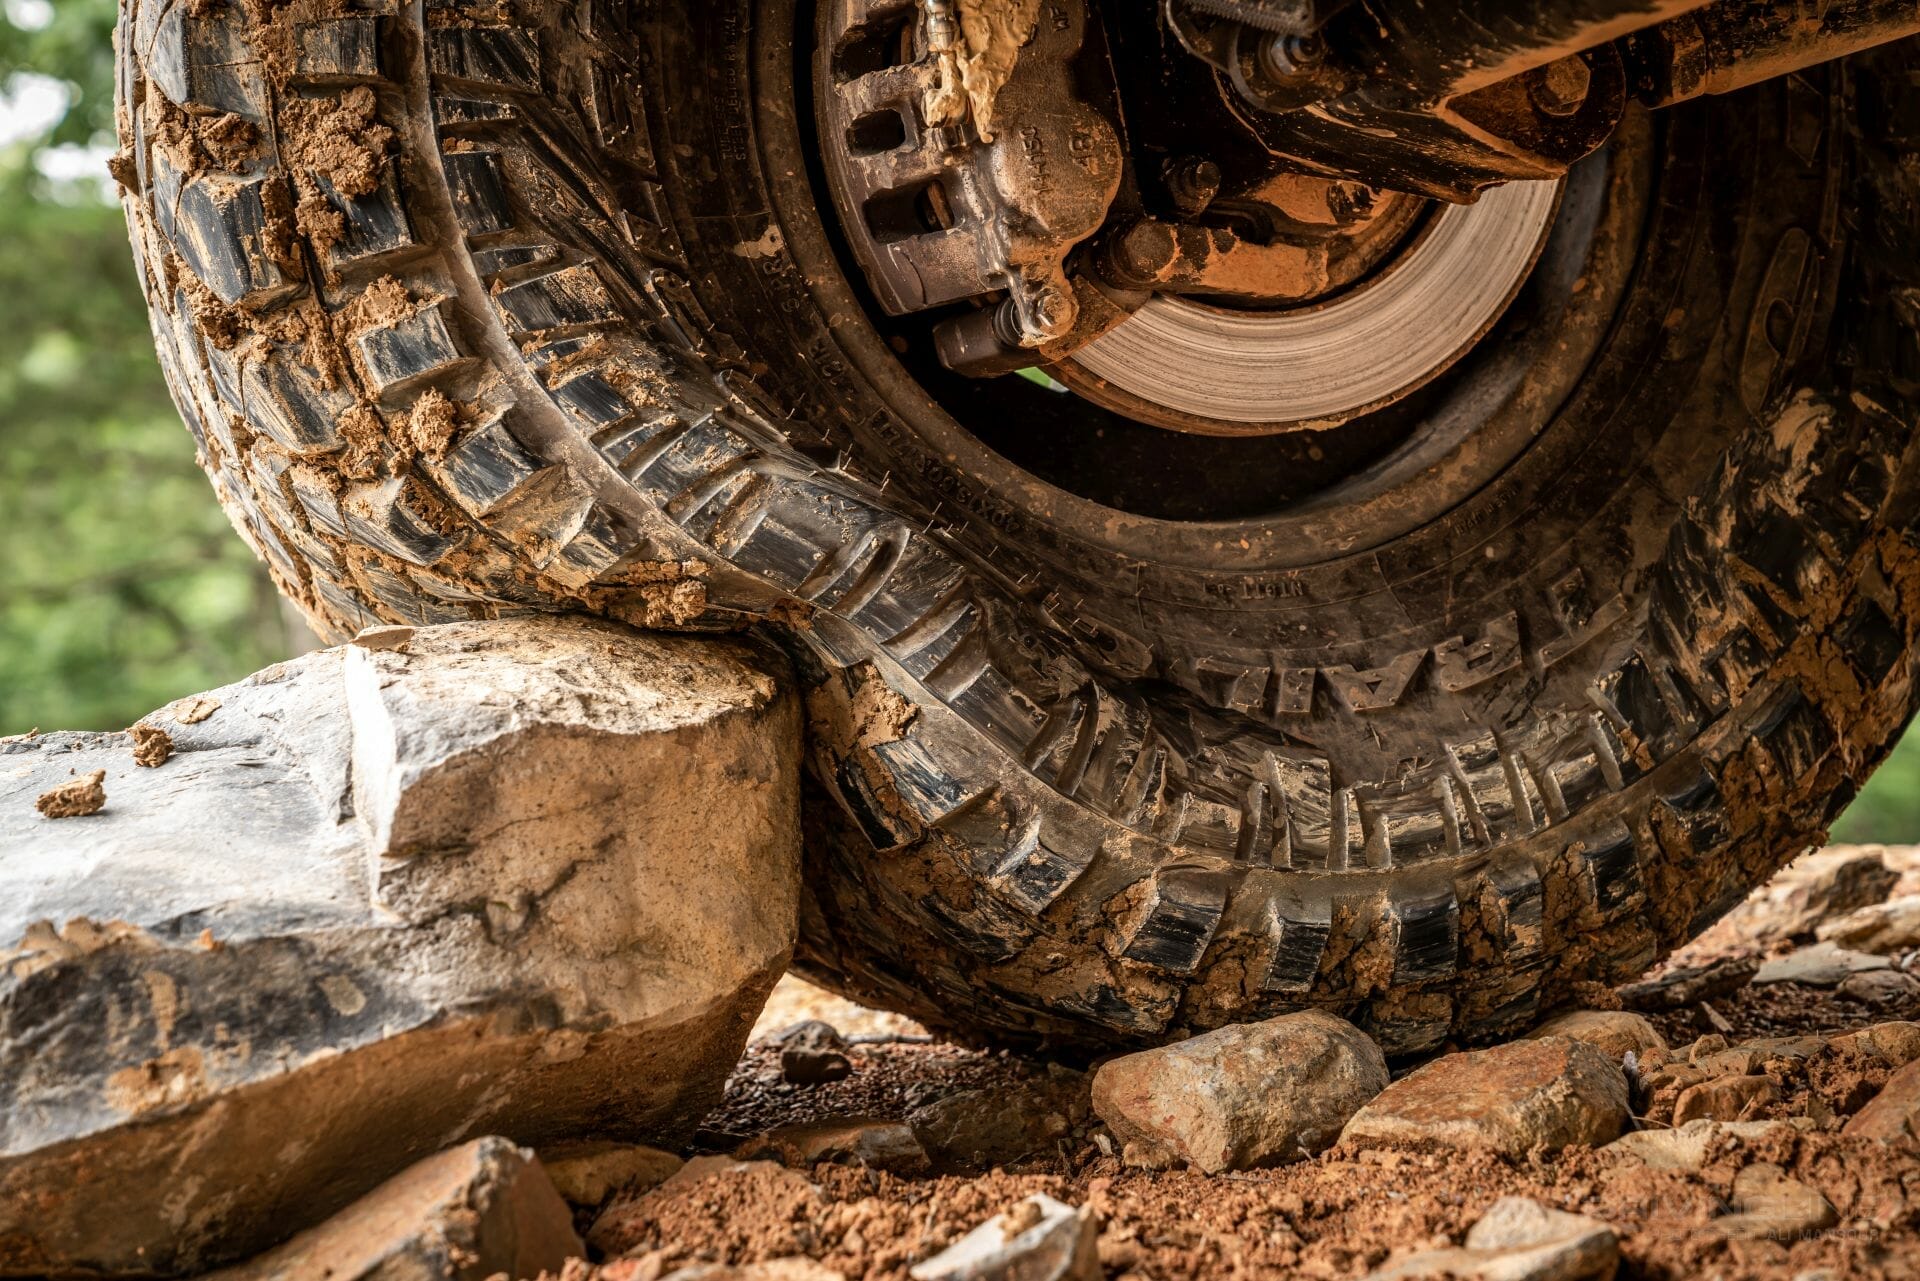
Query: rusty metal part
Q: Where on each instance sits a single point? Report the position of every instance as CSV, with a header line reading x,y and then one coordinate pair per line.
x,y
1441,98
1224,372
1192,182
1185,258
1436,50
951,192
983,343
1318,237
1449,97
1731,44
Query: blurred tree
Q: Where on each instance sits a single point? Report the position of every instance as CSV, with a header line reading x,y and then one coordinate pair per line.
x,y
121,584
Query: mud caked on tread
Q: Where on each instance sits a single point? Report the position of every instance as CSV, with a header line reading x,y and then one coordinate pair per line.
x,y
455,341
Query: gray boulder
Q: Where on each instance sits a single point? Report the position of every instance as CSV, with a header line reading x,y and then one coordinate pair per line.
x,y
528,878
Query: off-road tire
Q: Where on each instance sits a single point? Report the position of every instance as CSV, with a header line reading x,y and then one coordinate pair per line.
x,y
488,307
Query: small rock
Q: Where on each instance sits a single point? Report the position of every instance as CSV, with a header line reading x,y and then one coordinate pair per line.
x,y
588,1172
1893,1115
1816,887
75,798
1895,1044
1735,1060
1678,988
1818,965
1706,1046
1765,1048
1725,1098
813,1053
151,744
1879,989
1685,1147
1880,928
883,1145
470,1212
1040,1239
1544,1093
1518,1239
1002,1124
1770,1206
1245,1095
1617,1032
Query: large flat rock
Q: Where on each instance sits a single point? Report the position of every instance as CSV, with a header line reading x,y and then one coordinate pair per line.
x,y
529,878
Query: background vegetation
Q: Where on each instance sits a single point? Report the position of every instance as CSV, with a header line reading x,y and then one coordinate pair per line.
x,y
121,585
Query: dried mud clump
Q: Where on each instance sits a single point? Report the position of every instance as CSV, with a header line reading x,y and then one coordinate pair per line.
x,y
431,424
231,140
191,711
660,594
76,798
316,218
151,745
337,139
366,441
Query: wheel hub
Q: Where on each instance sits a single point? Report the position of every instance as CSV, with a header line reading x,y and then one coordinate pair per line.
x,y
1057,193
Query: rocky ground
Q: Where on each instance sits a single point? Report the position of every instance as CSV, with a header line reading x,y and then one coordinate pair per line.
x,y
1754,1115
446,908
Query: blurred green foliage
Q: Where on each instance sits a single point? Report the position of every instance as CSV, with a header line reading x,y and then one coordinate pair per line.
x,y
121,584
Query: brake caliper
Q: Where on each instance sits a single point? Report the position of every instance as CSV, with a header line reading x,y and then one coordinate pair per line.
x,y
973,144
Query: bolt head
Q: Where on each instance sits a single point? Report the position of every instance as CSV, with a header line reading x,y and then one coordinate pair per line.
x,y
1049,313
1559,88
1193,182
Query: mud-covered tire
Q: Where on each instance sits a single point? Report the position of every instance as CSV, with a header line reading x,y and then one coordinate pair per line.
x,y
499,306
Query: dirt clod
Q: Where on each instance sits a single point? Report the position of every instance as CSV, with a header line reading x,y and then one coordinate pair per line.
x,y
337,139
432,422
76,798
151,745
191,711
366,439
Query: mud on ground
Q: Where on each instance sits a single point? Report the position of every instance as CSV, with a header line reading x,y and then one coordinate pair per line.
x,y
1339,1215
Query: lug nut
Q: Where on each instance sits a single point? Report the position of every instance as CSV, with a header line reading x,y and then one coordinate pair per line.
x,y
1559,88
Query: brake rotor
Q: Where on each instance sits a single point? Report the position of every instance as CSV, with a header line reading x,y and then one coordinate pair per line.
x,y
1191,366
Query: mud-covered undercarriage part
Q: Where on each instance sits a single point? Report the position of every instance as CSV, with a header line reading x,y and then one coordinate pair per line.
x,y
1448,98
970,168
1035,174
